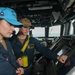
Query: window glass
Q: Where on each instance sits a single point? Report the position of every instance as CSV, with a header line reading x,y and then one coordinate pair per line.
x,y
16,30
38,32
54,31
71,28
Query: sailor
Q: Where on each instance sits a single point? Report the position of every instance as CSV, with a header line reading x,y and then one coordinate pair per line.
x,y
8,65
24,46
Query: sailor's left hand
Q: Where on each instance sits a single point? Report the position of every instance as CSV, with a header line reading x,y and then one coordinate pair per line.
x,y
20,71
62,58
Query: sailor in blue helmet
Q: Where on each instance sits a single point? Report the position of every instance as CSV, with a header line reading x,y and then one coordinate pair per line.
x,y
24,46
8,65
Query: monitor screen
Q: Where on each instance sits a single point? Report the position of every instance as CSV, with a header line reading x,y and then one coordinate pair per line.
x,y
64,50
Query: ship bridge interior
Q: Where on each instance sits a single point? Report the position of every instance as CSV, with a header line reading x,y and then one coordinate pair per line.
x,y
46,14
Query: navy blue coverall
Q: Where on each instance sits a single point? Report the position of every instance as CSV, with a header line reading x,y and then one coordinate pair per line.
x,y
33,44
7,57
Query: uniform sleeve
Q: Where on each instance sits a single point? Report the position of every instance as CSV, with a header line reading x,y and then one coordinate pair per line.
x,y
5,67
44,50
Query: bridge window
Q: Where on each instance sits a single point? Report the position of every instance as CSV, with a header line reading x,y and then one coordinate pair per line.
x,y
54,31
38,32
71,28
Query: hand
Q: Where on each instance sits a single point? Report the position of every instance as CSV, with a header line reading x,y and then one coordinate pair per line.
x,y
19,61
62,58
20,71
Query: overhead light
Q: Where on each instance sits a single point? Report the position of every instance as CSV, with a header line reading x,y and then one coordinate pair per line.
x,y
41,8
